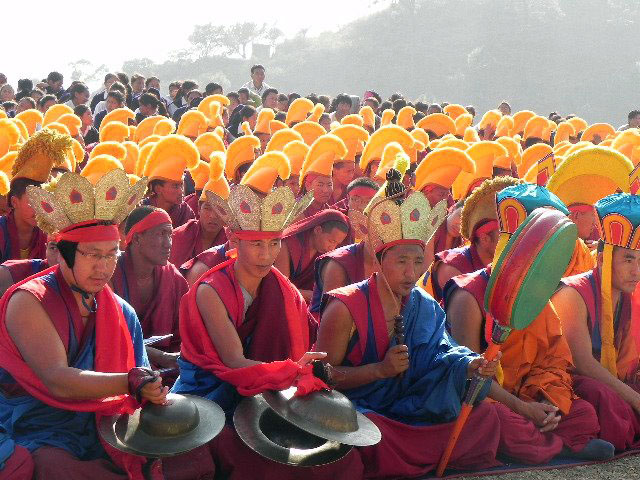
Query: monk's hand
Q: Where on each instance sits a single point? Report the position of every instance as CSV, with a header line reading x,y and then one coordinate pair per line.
x,y
168,360
309,357
543,414
483,367
395,361
453,222
155,392
144,383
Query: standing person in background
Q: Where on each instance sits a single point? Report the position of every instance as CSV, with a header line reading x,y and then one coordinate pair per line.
x,y
45,102
174,88
257,85
137,89
148,106
343,107
633,120
101,95
24,88
152,82
115,100
54,84
87,130
79,93
102,106
180,99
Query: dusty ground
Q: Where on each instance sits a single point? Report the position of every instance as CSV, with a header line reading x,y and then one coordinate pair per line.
x,y
627,468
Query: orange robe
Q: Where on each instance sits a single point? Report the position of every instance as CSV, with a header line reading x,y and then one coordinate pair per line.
x,y
581,261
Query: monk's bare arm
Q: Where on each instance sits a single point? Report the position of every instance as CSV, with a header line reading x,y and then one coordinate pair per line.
x,y
40,345
444,273
6,280
333,276
221,331
283,260
465,319
573,314
195,272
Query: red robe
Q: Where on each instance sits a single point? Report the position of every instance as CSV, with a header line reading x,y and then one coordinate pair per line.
x,y
315,208
464,259
180,214
211,257
159,316
187,242
21,269
10,244
192,200
19,466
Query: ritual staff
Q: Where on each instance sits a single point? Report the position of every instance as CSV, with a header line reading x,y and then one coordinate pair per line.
x,y
20,238
198,235
540,416
412,387
597,313
245,329
304,241
149,283
14,271
165,167
77,354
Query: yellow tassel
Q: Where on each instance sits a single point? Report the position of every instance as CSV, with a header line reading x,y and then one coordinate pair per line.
x,y
608,353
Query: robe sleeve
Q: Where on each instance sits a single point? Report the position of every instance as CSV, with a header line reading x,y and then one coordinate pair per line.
x,y
139,351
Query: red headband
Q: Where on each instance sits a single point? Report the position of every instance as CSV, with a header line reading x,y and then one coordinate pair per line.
x,y
367,192
88,231
579,208
487,227
157,217
403,241
256,235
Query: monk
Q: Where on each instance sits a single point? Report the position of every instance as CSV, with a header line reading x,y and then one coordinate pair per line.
x,y
245,328
343,173
167,194
597,313
304,241
14,271
204,261
322,188
52,360
150,283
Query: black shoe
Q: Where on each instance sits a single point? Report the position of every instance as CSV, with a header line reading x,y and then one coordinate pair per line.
x,y
596,450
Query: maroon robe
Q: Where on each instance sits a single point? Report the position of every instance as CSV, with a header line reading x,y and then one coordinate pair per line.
x,y
315,208
180,214
159,316
192,200
464,259
19,466
187,241
441,237
210,257
10,243
21,269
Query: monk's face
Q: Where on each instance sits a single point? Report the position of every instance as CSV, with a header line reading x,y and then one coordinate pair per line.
x,y
585,221
402,266
487,242
171,192
154,244
343,172
256,257
293,182
625,274
324,242
359,202
322,187
435,193
209,219
52,252
22,210
94,265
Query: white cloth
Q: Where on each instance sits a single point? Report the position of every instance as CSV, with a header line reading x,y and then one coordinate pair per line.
x,y
251,87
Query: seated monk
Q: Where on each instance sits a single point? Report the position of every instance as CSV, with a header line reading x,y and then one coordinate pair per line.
x,y
245,328
204,261
538,407
14,271
598,319
359,193
304,241
149,283
52,360
412,387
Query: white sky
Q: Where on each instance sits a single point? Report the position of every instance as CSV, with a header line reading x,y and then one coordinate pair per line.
x,y
37,40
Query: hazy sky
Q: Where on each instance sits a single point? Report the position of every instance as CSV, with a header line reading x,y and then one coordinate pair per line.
x,y
109,32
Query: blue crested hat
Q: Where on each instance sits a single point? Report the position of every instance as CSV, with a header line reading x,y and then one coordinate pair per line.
x,y
515,203
619,216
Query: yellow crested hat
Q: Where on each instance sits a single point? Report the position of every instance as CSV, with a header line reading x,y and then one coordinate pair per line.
x,y
43,151
564,131
115,149
145,127
405,117
490,118
57,127
24,132
122,115
316,113
562,147
310,131
216,182
513,147
31,118
628,143
442,166
150,139
143,156
277,125
323,153
264,171
504,126
438,123
296,152
581,178
200,175
9,135
242,150
212,109
390,155
263,124
98,166
54,112
462,123
599,130
387,117
193,124
282,137
471,135
7,161
72,122
354,137
5,184
164,127
353,119
131,158
380,138
520,120
578,124
368,116
484,155
537,127
452,143
454,110
207,143
298,110
114,132
169,158
531,156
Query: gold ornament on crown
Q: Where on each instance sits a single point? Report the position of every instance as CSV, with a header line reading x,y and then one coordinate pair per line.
x,y
245,210
71,199
387,222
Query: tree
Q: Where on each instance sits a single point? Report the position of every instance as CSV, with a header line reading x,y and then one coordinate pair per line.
x,y
208,39
139,65
241,35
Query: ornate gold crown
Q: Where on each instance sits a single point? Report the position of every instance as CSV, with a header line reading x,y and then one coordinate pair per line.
x,y
245,210
388,223
71,199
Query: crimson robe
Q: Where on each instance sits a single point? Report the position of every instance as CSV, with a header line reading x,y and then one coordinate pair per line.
x,y
21,269
315,208
19,466
180,214
10,244
193,200
187,241
464,259
210,257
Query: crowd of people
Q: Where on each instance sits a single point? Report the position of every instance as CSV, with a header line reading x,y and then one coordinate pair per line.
x,y
225,245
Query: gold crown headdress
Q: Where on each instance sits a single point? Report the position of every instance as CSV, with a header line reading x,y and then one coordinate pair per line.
x,y
251,217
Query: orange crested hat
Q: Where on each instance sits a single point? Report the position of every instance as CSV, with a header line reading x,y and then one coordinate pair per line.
x,y
242,150
143,155
55,112
282,137
387,117
170,157
463,122
122,115
513,147
368,116
520,119
193,124
216,182
405,117
114,132
484,154
452,143
298,110
442,166
471,135
353,119
628,143
578,124
9,135
418,144
200,175
438,123
537,127
531,156
78,151
57,127
164,127
72,122
310,131
490,118
5,184
115,149
150,139
7,161
504,126
145,127
316,113
264,171
296,152
209,142
211,107
454,110
24,132
389,157
597,131
98,166
32,118
276,125
380,138
263,123
561,148
564,131
323,153
354,137
130,160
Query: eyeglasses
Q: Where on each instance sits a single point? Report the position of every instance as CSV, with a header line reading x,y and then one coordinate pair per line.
x,y
96,257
